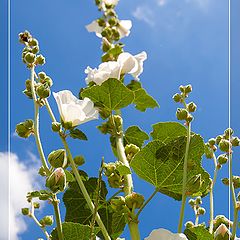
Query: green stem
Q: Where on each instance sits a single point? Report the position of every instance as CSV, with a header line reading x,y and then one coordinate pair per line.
x,y
84,190
146,202
55,203
235,215
50,110
36,123
128,182
184,197
211,194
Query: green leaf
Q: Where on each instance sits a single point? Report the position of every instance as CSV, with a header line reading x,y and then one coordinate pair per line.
x,y
167,131
198,233
78,134
111,95
113,53
77,209
122,169
135,135
161,164
74,231
142,99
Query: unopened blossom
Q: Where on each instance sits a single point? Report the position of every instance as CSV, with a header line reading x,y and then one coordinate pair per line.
x,y
164,234
222,231
73,110
105,71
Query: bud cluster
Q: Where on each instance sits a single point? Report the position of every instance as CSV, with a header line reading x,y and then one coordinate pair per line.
x,y
184,113
25,129
30,54
113,125
236,181
130,151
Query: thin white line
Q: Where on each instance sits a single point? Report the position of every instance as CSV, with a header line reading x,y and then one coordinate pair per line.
x,y
9,113
229,98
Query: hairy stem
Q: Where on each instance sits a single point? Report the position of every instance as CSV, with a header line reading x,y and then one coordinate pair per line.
x,y
55,203
235,214
146,202
211,195
36,123
84,190
184,197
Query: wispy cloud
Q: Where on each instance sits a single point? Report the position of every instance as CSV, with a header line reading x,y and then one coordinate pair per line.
x,y
145,14
161,2
23,178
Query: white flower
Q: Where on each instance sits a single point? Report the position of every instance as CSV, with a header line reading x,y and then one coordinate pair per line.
x,y
110,2
105,71
164,234
132,64
94,27
74,110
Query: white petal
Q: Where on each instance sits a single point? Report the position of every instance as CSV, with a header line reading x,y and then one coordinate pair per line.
x,y
111,2
124,28
141,57
164,234
128,63
94,27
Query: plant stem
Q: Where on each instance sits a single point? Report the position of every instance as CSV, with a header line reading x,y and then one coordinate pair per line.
x,y
55,203
36,123
128,182
50,110
211,195
84,190
147,201
235,219
184,197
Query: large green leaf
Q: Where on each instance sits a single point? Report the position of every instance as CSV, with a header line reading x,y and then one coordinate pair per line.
x,y
111,95
135,135
161,164
78,211
142,99
74,231
198,233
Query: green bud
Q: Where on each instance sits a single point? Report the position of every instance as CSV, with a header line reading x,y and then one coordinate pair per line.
x,y
115,181
211,141
201,211
222,159
113,21
118,122
228,133
189,224
191,107
238,196
43,91
188,88
35,49
79,160
40,60
49,81
58,158
177,97
221,219
225,145
134,199
66,125
28,84
208,151
42,75
116,34
30,58
33,42
101,22
189,118
47,220
28,93
97,2
218,139
222,233
191,202
198,200
131,150
24,37
182,88
117,203
182,114
56,181
225,181
236,182
235,141
42,171
25,129
25,211
109,168
56,126
106,32
36,205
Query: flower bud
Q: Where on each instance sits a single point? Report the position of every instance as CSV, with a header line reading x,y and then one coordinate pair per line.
x,y
101,22
236,182
134,199
47,220
42,171
36,205
235,141
238,196
191,202
177,97
40,60
67,125
182,114
56,126
30,58
117,203
201,211
211,141
33,42
189,118
35,49
42,75
218,139
188,88
115,181
198,200
222,233
79,160
28,84
109,168
43,91
225,181
228,133
58,158
182,88
189,224
225,145
222,159
25,211
24,37
28,93
191,107
113,21
49,81
25,129
56,181
131,150
208,151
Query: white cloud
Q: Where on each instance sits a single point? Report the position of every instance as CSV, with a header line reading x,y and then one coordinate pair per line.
x,y
161,2
145,14
23,178
202,4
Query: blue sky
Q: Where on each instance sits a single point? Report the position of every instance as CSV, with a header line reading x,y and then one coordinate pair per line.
x,y
186,42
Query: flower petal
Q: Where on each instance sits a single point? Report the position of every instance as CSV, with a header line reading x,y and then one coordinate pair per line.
x,y
94,27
